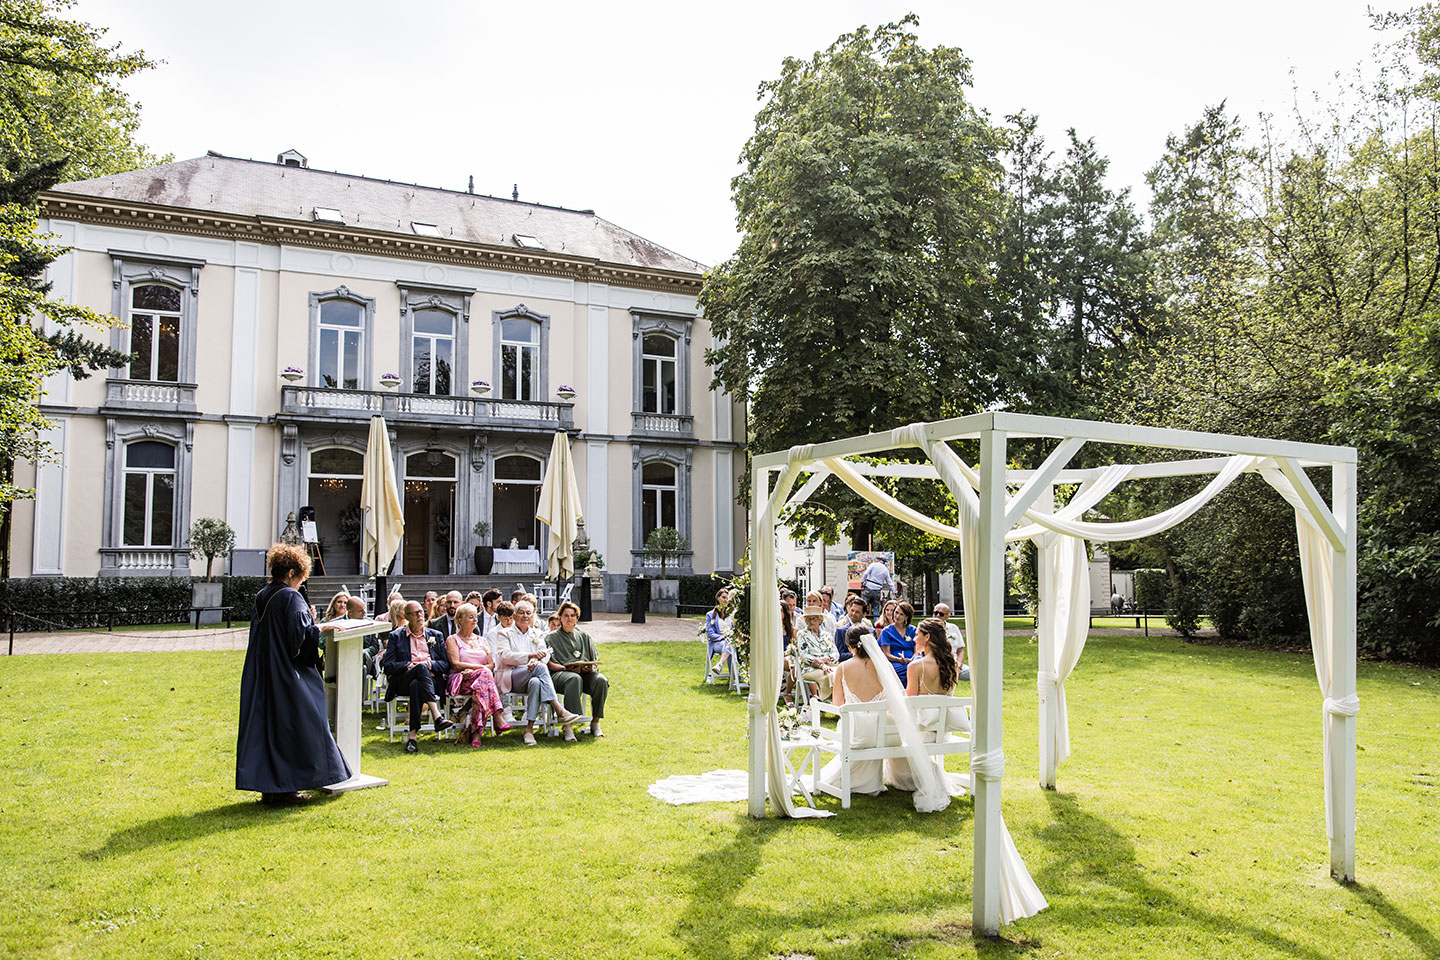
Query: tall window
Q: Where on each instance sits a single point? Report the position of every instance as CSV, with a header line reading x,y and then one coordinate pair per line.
x,y
342,338
657,498
657,361
519,359
149,495
155,332
433,352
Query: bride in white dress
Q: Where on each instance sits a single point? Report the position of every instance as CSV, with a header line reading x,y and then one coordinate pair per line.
x,y
857,682
934,669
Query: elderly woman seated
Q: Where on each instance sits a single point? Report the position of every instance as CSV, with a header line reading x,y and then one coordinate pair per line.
x,y
817,656
471,675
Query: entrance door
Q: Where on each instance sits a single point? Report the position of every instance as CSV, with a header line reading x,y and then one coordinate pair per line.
x,y
417,530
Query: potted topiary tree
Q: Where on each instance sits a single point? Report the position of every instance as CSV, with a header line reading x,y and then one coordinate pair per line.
x,y
209,538
666,543
484,552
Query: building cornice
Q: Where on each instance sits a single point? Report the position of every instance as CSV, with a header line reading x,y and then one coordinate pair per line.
x,y
259,229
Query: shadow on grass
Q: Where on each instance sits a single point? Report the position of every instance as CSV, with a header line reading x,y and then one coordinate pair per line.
x,y
1087,851
185,827
718,921
1423,937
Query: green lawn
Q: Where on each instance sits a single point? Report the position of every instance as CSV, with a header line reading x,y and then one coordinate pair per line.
x,y
1188,824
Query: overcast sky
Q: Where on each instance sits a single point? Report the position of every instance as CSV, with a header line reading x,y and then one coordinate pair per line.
x,y
639,110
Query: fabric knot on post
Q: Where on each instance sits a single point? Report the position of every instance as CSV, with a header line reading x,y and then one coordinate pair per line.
x,y
1344,707
1046,682
800,453
910,435
988,766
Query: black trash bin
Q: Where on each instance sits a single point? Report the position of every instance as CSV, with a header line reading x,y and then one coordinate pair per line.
x,y
642,600
584,600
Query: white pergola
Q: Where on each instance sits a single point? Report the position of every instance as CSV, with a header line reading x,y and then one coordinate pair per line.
x,y
996,504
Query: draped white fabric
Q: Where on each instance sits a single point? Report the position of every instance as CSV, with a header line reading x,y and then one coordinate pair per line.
x,y
1019,896
931,792
1070,583
717,786
1317,573
766,657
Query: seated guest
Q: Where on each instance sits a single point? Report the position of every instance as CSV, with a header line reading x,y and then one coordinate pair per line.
x,y
717,633
574,668
787,606
431,598
397,612
487,611
410,666
504,616
471,672
855,610
788,635
887,616
952,633
827,625
335,609
832,607
516,594
898,639
552,622
444,618
523,655
817,660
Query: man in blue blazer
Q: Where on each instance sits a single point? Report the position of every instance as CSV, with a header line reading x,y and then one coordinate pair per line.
x,y
414,657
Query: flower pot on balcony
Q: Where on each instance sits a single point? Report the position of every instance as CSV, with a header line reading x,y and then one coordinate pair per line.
x,y
480,387
292,375
484,560
565,393
390,381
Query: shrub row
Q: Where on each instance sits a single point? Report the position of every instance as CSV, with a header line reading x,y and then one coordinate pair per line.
x,y
66,602
697,590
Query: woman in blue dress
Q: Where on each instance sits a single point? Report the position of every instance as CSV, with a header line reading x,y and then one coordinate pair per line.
x,y
898,639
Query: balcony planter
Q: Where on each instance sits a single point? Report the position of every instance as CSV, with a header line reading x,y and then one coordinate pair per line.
x,y
293,374
565,392
390,380
481,387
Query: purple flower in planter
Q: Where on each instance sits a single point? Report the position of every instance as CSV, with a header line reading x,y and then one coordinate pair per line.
x,y
292,370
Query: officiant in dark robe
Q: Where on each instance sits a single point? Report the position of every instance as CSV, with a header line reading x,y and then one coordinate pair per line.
x,y
285,745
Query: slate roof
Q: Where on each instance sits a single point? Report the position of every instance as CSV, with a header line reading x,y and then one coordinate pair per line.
x,y
220,184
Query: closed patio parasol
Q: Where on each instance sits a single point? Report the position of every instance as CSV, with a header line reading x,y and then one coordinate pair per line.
x,y
560,509
384,516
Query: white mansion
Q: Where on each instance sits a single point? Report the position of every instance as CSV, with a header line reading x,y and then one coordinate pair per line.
x,y
273,309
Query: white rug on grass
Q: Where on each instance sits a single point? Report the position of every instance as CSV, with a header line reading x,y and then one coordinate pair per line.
x,y
717,786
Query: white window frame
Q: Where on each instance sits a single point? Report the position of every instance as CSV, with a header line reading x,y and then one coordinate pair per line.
x,y
661,491
540,381
155,316
150,473
659,363
434,339
365,375
340,331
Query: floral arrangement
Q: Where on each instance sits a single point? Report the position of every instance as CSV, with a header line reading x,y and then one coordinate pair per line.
x,y
564,388
293,370
352,523
789,719
390,376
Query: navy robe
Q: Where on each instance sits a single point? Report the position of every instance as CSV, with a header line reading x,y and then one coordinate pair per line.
x,y
285,743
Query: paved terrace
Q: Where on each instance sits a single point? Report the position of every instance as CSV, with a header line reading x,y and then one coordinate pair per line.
x,y
605,628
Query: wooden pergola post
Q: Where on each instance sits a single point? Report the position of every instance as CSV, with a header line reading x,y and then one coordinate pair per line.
x,y
986,676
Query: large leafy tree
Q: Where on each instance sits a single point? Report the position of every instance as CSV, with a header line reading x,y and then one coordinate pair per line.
x,y
61,114
858,297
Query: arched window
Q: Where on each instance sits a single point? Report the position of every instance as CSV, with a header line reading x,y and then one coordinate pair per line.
x,y
342,344
658,378
516,497
658,498
519,359
155,312
432,352
149,519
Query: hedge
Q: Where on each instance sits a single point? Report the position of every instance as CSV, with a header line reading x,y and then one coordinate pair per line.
x,y
697,590
68,602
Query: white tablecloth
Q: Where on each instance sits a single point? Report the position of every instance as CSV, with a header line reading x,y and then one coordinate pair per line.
x,y
517,561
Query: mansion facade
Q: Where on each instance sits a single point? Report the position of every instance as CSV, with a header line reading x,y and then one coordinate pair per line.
x,y
272,310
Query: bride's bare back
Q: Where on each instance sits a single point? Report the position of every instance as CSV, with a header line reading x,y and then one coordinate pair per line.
x,y
861,679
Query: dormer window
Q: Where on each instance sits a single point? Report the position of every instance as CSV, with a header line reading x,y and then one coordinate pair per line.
x,y
292,158
424,229
327,215
527,241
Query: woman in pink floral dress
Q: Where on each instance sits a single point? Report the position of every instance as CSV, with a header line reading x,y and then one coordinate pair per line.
x,y
471,663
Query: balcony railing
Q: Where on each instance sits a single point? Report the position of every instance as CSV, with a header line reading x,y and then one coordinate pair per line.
x,y
677,564
144,561
334,404
662,425
149,395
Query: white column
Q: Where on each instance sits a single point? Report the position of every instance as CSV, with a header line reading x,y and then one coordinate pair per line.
x,y
724,509
244,330
1341,787
597,513
762,573
240,481
1045,630
723,414
986,675
48,547
597,403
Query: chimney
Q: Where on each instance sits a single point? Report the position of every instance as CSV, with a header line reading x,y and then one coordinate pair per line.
x,y
515,192
471,188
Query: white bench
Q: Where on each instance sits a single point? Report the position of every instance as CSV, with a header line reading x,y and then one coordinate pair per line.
x,y
941,739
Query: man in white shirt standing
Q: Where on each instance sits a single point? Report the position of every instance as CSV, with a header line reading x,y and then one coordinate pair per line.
x,y
876,578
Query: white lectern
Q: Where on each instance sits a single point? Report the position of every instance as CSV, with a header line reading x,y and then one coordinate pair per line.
x,y
342,695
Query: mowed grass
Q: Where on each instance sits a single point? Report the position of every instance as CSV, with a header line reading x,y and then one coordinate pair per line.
x,y
1188,823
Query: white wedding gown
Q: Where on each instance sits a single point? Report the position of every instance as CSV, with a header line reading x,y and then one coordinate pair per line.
x,y
866,776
